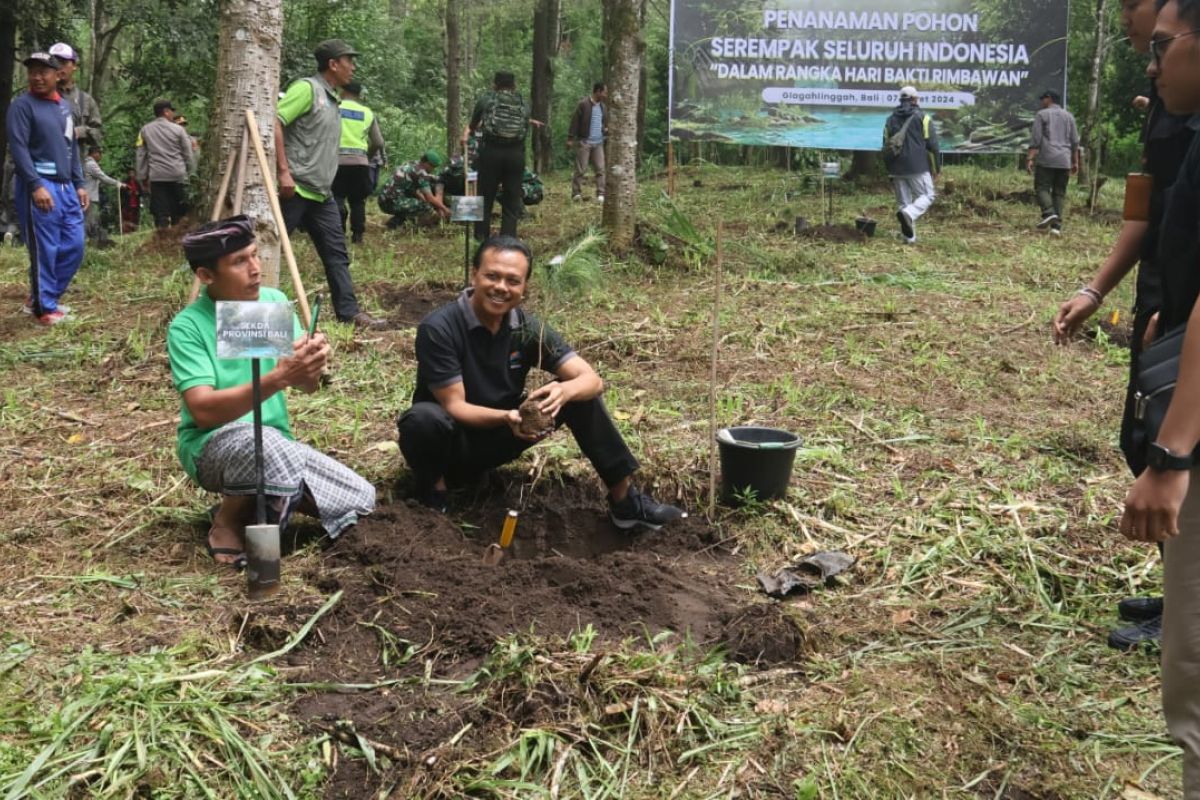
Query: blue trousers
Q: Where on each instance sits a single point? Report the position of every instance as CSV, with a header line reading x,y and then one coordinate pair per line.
x,y
54,239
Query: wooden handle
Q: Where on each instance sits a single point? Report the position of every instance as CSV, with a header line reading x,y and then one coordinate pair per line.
x,y
218,205
273,198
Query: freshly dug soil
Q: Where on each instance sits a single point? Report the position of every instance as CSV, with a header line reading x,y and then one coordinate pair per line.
x,y
405,306
419,597
533,421
834,233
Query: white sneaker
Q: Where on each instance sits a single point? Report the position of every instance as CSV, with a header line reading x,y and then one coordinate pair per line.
x,y
27,308
578,198
599,198
1056,231
1048,220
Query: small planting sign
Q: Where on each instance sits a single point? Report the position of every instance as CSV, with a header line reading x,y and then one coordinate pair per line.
x,y
466,209
254,330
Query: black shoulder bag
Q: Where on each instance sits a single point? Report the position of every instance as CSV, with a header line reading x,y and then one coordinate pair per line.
x,y
1158,370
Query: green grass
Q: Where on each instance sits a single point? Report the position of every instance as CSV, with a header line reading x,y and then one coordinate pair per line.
x,y
966,462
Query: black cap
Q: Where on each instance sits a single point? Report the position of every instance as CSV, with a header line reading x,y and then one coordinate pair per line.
x,y
42,58
1053,95
333,48
504,79
353,87
162,105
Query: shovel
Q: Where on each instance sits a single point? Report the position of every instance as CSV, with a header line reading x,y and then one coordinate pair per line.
x,y
495,552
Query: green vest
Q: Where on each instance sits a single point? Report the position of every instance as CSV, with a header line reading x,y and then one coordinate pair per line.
x,y
311,141
356,126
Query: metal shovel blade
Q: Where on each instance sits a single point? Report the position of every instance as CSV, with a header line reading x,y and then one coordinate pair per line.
x,y
493,555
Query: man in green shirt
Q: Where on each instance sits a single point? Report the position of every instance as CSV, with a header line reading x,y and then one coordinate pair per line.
x,y
216,434
308,132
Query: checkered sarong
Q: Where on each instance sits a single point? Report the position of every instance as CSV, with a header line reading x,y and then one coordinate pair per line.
x,y
290,471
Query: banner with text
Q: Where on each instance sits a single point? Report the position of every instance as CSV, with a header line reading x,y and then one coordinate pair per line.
x,y
826,73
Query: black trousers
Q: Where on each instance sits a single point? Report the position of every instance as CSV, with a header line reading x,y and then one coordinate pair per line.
x,y
501,165
435,446
168,202
324,227
353,185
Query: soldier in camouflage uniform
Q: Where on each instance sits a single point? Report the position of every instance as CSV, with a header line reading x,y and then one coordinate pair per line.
x,y
415,192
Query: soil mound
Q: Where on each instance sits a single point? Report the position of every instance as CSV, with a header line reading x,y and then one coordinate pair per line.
x,y
405,306
419,600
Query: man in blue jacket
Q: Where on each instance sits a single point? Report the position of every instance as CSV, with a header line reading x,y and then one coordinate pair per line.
x,y
912,157
48,189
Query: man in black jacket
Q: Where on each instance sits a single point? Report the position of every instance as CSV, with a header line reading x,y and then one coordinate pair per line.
x,y
912,165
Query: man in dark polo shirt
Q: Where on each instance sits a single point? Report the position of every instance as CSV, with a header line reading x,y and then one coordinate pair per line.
x,y
472,359
1163,504
1165,141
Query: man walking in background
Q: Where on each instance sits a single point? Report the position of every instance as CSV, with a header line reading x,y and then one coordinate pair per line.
x,y
85,111
308,131
361,143
93,176
48,187
589,126
165,159
1053,158
912,158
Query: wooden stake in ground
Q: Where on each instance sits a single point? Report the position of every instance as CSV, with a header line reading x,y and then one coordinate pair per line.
x,y
277,212
712,378
219,204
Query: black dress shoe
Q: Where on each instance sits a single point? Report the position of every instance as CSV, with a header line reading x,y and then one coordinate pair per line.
x,y
1139,609
1146,632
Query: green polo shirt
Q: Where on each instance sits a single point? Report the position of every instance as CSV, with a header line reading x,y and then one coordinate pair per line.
x,y
192,347
312,130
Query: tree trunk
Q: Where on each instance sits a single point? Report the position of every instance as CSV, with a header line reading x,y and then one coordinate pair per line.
x,y
454,124
8,60
864,164
545,48
1091,125
624,49
251,32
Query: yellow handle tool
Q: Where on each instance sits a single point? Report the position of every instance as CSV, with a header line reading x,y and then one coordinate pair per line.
x,y
510,528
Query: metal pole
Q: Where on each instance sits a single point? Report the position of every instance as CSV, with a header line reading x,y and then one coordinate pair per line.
x,y
260,513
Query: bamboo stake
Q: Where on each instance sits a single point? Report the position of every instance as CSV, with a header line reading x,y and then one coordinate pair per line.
x,y
712,377
218,204
285,242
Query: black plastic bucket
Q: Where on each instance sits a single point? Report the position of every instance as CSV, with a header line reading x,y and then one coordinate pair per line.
x,y
757,460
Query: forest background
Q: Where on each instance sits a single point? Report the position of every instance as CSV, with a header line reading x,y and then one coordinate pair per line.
x,y
135,51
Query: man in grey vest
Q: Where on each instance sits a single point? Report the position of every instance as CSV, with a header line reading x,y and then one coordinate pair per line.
x,y
1053,158
308,130
165,159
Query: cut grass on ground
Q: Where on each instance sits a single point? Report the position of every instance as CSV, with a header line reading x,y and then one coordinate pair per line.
x,y
966,462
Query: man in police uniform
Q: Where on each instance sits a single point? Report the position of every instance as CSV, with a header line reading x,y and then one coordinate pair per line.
x,y
308,131
415,193
361,144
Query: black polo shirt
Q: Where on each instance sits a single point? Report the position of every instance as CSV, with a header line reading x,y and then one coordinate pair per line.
x,y
454,346
1178,257
1165,141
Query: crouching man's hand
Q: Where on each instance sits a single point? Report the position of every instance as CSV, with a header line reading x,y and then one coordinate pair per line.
x,y
1152,505
303,370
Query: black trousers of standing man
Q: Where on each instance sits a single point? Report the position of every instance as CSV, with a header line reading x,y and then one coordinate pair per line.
x,y
324,227
501,165
436,446
353,185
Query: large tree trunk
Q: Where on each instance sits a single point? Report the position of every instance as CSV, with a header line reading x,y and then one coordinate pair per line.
x,y
454,124
623,63
251,32
1091,124
545,48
